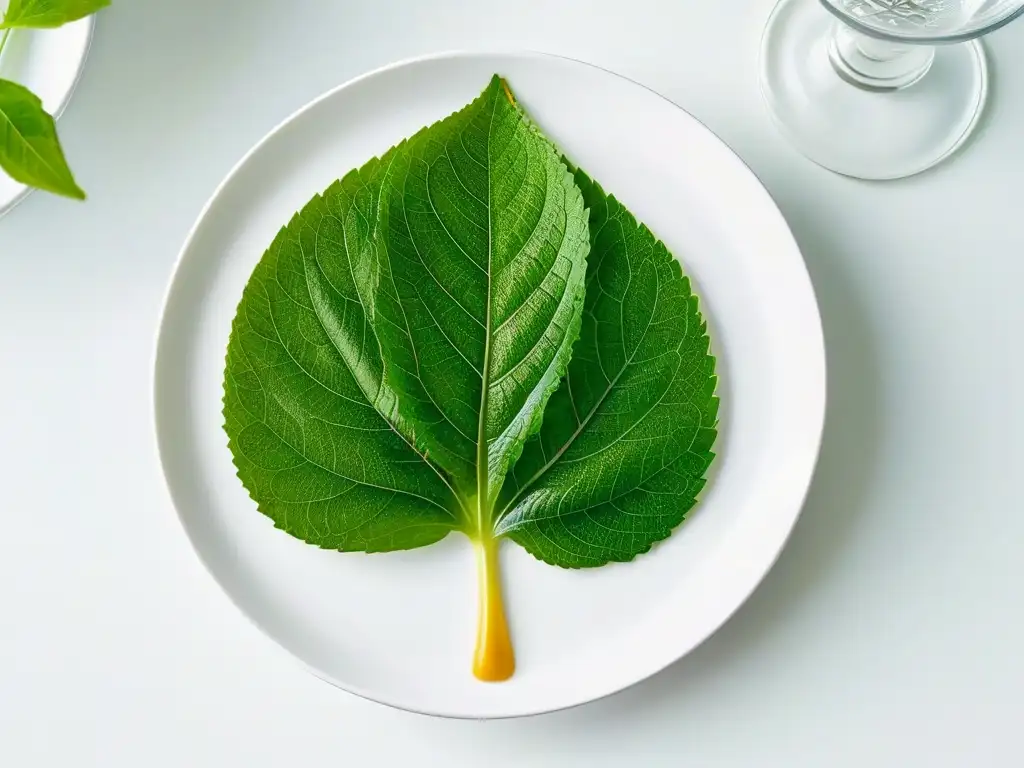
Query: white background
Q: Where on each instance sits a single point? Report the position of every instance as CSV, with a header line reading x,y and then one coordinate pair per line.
x,y
889,634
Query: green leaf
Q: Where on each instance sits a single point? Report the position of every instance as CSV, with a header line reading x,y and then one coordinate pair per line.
x,y
480,295
29,149
406,340
304,403
46,14
627,438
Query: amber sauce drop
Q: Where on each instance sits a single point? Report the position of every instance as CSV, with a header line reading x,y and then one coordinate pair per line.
x,y
494,659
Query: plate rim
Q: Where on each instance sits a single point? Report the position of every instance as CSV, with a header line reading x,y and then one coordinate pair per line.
x,y
90,32
819,416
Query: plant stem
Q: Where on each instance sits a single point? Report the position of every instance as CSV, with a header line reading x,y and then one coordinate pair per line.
x,y
3,40
494,659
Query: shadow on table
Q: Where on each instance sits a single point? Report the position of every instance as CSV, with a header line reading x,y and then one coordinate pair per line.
x,y
835,502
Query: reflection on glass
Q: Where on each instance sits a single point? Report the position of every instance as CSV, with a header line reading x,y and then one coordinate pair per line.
x,y
879,89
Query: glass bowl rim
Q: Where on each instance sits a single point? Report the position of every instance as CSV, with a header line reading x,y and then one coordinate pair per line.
x,y
968,33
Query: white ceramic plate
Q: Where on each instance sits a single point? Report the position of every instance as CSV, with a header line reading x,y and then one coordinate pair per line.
x,y
399,628
48,62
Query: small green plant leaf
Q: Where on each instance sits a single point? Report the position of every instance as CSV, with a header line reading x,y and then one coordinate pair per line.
x,y
627,438
46,14
29,149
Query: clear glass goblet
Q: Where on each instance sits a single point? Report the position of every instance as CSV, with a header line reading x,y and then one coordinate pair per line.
x,y
879,89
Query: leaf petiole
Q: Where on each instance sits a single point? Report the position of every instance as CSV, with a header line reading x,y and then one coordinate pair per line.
x,y
494,659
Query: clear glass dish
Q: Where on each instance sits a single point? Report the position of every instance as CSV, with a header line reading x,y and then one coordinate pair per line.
x,y
879,89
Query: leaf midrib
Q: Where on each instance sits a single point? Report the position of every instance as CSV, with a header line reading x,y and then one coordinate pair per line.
x,y
482,474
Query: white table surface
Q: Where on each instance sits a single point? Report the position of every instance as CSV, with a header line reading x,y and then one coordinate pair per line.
x,y
889,634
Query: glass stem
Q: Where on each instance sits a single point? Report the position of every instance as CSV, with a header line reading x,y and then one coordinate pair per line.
x,y
877,65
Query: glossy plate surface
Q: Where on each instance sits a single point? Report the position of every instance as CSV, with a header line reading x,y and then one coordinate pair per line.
x,y
399,628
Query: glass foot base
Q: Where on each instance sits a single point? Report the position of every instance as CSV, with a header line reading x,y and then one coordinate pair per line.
x,y
857,131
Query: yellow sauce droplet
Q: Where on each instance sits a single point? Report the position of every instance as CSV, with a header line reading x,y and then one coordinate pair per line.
x,y
493,660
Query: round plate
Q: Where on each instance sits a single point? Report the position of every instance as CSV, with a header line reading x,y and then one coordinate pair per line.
x,y
48,62
399,628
